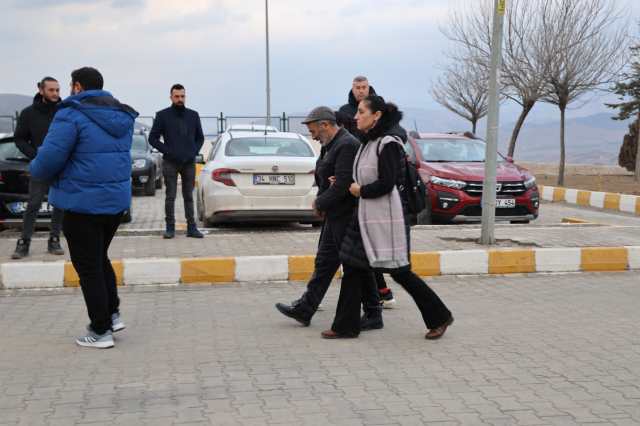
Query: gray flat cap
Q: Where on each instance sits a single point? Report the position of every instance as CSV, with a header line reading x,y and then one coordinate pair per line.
x,y
321,113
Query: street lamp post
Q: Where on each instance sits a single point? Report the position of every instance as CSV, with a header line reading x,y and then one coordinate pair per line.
x,y
266,3
487,233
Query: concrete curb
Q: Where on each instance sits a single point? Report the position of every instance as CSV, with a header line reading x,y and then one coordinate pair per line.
x,y
131,272
603,200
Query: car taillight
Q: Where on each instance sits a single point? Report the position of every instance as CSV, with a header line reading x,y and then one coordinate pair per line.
x,y
313,172
224,176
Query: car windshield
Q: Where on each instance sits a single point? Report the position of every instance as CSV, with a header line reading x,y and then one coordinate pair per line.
x,y
453,150
139,143
10,154
268,147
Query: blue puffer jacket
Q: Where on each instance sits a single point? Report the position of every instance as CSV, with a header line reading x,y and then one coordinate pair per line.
x,y
87,154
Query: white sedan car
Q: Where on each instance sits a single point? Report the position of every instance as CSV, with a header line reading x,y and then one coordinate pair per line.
x,y
250,177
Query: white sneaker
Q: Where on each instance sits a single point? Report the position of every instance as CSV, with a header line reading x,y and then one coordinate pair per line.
x,y
320,307
93,340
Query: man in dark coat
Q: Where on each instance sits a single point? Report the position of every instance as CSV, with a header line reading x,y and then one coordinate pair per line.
x,y
358,92
336,205
33,125
183,139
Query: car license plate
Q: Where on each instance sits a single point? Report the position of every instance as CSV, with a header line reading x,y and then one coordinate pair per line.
x,y
274,179
504,203
20,207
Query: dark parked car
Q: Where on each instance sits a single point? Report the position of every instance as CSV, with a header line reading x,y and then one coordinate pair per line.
x,y
14,186
146,171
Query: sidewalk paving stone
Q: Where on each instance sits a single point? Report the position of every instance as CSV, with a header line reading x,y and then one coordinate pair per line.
x,y
525,349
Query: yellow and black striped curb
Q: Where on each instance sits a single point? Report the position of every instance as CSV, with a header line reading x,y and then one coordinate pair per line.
x,y
603,200
22,275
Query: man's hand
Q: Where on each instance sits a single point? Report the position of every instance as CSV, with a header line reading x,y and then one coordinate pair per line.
x,y
317,213
332,179
355,189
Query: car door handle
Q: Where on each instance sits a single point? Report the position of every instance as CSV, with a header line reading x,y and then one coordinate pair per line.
x,y
202,169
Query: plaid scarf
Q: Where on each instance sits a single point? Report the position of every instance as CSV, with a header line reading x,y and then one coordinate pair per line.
x,y
381,219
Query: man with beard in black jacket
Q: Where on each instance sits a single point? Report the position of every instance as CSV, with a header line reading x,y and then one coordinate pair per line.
x,y
336,205
358,92
32,128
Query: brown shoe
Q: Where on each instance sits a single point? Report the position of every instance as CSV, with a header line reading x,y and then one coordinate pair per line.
x,y
437,333
330,334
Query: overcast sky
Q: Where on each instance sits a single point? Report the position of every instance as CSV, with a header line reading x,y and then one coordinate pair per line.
x,y
216,49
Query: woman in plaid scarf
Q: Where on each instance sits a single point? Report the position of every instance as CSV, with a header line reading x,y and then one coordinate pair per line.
x,y
378,236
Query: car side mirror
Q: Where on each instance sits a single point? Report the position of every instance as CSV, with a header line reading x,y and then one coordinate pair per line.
x,y
199,159
509,159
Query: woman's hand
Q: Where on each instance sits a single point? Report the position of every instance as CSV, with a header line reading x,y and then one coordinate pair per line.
x,y
332,179
355,189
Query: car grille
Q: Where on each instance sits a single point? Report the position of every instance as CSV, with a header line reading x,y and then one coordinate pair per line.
x,y
507,189
476,210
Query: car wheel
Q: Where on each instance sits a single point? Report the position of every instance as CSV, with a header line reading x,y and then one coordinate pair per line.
x,y
206,223
159,181
150,186
128,216
199,208
424,217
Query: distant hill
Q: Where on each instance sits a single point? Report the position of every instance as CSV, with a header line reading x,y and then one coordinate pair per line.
x,y
595,139
9,104
589,140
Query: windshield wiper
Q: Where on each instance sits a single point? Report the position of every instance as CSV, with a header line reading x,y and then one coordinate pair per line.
x,y
22,159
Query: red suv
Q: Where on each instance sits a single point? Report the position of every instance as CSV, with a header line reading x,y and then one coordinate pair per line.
x,y
452,165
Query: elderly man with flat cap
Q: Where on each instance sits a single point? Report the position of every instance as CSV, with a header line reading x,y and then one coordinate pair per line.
x,y
335,203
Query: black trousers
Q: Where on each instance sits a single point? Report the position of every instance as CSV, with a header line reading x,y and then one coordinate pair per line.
x,y
347,320
38,188
187,172
380,281
327,264
89,237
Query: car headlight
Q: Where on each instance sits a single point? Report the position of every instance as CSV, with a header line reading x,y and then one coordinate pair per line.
x,y
530,183
449,183
138,164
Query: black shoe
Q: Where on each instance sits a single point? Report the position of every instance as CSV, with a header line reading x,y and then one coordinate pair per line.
x,y
22,249
371,321
386,299
296,312
54,246
192,231
297,302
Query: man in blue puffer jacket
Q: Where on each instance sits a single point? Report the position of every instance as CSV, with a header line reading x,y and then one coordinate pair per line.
x,y
86,154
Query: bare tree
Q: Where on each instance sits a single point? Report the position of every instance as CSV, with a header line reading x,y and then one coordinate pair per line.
x,y
589,41
464,90
524,67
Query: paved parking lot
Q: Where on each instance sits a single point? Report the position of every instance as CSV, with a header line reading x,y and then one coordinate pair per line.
x,y
149,213
524,350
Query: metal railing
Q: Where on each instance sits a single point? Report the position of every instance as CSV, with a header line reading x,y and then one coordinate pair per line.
x,y
214,125
13,119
